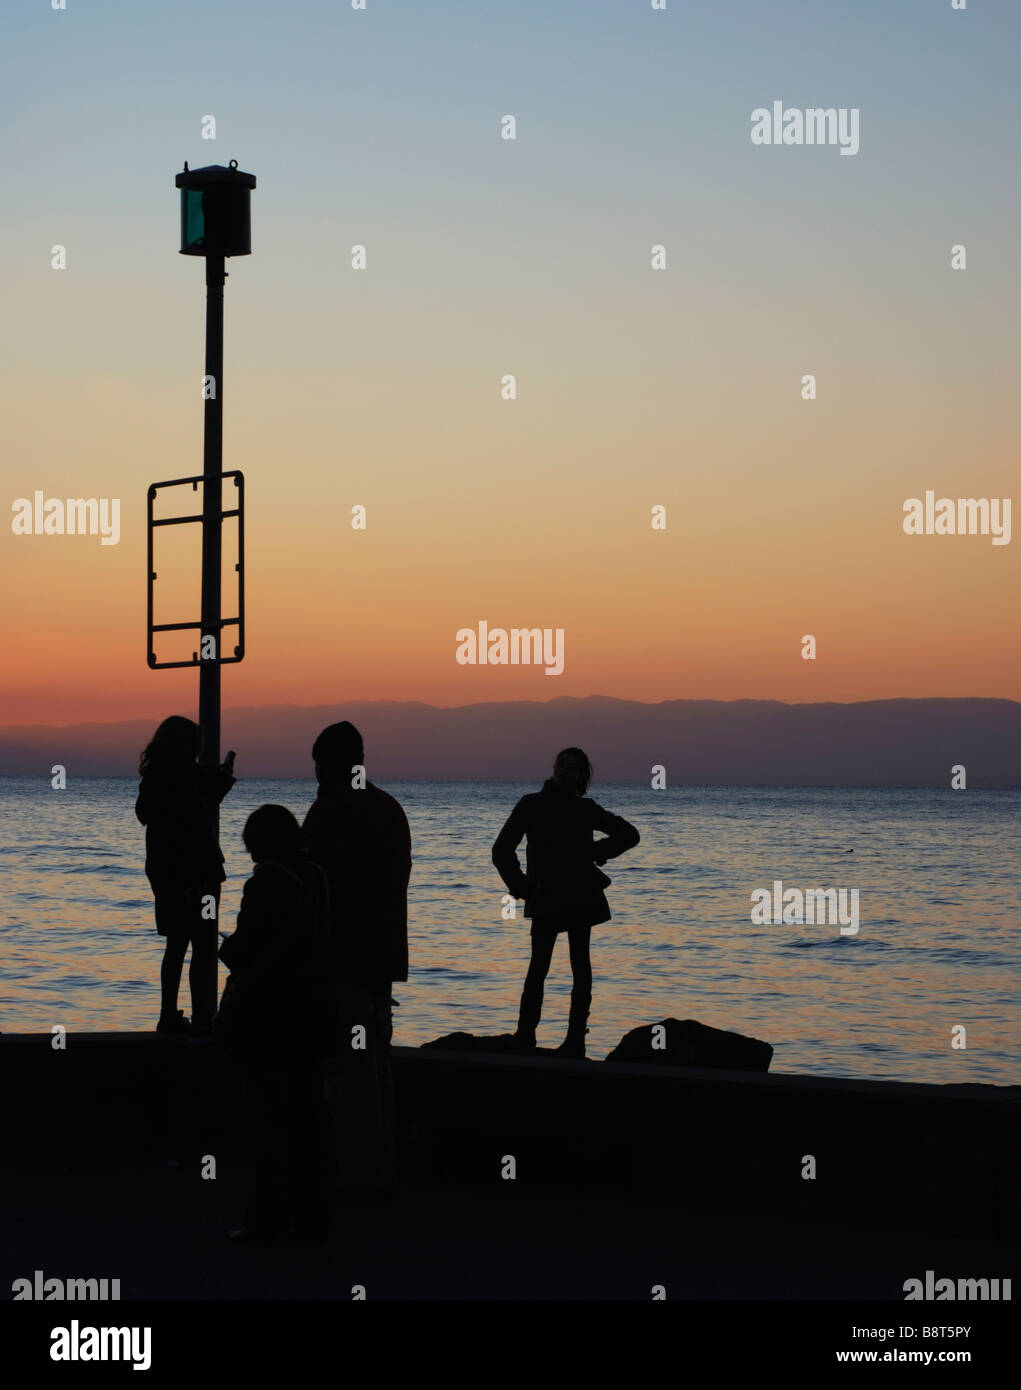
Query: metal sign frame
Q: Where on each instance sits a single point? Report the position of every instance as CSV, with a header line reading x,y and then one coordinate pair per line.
x,y
239,622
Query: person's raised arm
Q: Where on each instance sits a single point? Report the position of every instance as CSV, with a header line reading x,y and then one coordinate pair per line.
x,y
215,782
226,778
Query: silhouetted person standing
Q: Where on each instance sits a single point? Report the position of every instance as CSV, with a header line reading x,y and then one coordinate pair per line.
x,y
561,886
177,801
360,836
278,1018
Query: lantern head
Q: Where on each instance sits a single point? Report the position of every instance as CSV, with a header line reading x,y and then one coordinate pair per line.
x,y
216,217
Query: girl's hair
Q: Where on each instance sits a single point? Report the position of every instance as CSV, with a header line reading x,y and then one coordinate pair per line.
x,y
271,832
586,767
175,743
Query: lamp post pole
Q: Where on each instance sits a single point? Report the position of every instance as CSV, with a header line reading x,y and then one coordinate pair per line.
x,y
215,224
212,501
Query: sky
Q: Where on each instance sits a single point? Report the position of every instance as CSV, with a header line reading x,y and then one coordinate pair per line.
x,y
487,257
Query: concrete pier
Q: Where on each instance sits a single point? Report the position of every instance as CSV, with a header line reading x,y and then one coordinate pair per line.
x,y
917,1157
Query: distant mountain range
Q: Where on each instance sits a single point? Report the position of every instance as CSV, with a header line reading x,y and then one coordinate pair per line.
x,y
881,743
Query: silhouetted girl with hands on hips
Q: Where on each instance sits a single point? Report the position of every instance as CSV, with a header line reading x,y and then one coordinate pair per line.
x,y
562,885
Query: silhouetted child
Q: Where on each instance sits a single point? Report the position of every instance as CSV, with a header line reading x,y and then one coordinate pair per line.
x,y
177,801
561,886
278,1019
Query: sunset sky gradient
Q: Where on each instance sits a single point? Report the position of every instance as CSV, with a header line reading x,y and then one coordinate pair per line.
x,y
382,387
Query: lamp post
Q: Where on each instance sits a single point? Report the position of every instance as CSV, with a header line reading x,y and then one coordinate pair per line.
x,y
215,223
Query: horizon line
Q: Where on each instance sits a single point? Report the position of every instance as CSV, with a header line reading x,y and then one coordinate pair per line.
x,y
556,699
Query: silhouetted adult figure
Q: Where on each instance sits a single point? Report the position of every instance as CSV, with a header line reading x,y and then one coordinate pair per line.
x,y
561,886
360,836
177,801
278,1018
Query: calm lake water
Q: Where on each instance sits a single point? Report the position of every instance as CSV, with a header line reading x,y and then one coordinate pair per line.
x,y
937,874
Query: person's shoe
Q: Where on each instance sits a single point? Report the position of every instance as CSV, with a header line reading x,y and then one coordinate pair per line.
x,y
573,1046
177,1026
200,1030
522,1042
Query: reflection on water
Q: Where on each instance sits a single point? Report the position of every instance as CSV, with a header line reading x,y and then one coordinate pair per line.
x,y
937,874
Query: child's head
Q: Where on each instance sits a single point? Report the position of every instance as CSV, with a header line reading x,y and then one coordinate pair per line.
x,y
271,832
